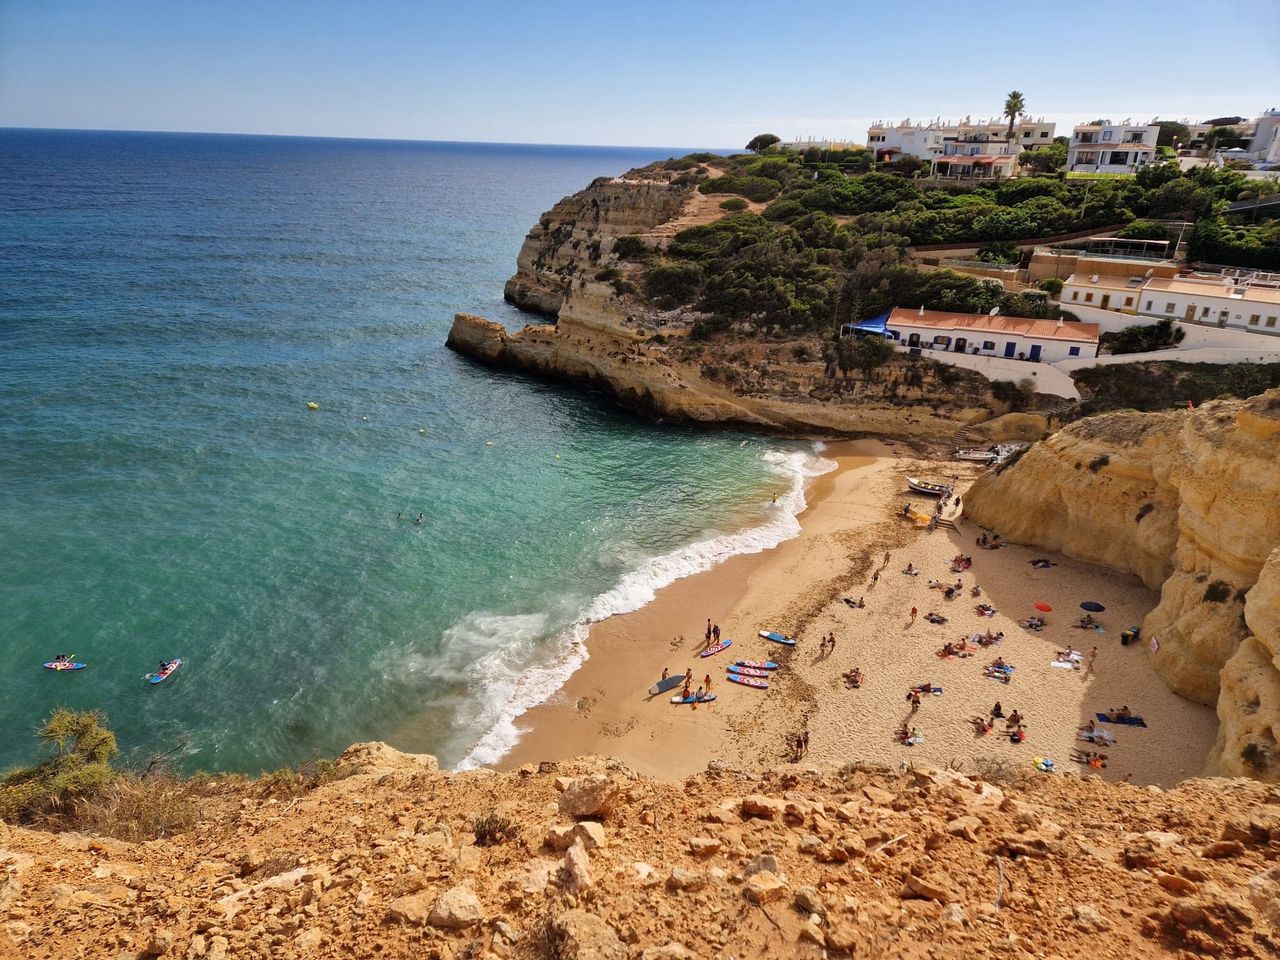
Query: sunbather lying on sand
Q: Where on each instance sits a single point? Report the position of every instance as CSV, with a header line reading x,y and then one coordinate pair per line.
x,y
1124,713
935,585
982,725
1102,737
1032,623
911,571
1096,761
985,610
853,678
1040,563
935,617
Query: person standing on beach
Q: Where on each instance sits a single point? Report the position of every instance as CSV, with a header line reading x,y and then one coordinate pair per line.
x,y
708,643
914,697
715,633
914,612
875,578
706,683
1089,665
688,677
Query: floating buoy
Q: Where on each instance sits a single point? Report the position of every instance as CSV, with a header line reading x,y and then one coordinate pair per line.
x,y
488,443
364,418
421,430
557,456
312,405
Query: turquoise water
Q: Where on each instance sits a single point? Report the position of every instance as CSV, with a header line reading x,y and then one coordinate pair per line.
x,y
168,306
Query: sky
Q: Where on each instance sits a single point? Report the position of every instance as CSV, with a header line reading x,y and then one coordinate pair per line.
x,y
695,73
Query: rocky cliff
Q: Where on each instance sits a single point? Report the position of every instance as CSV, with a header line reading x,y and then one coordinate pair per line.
x,y
580,230
1190,502
587,860
568,268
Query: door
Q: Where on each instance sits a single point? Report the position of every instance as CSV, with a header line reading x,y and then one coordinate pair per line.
x,y
1106,301
1190,314
1035,352
913,340
1010,348
959,345
1222,318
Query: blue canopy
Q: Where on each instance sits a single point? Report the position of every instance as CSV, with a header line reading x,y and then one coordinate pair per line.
x,y
876,325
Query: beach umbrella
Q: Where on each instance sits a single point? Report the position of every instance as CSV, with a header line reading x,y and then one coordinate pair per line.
x,y
1093,606
1044,607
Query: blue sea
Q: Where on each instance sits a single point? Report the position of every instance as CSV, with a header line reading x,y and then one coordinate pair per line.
x,y
169,305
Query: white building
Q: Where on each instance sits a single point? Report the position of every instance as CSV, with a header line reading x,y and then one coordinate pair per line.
x,y
1014,338
978,156
928,140
1235,303
1111,147
1265,145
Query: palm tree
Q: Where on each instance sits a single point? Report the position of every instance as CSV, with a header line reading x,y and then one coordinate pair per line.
x,y
1014,104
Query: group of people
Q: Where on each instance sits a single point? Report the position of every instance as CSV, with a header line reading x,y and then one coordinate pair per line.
x,y
418,519
828,645
853,678
997,669
1122,714
990,542
1087,622
1032,623
960,563
1091,759
713,633
799,746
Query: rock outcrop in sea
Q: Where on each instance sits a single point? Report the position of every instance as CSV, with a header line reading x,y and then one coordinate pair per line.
x,y
1189,501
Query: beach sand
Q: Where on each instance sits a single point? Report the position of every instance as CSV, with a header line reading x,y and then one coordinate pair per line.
x,y
852,520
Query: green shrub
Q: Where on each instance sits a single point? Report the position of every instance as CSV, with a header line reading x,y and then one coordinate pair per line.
x,y
673,283
80,767
759,189
491,830
733,205
609,273
1052,285
1142,338
631,248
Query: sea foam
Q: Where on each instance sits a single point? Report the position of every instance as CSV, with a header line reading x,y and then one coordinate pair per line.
x,y
522,669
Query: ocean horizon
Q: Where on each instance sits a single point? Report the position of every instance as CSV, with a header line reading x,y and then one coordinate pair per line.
x,y
169,305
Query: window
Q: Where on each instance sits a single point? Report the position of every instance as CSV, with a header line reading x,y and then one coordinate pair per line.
x,y
1128,301
1073,352
991,344
1169,307
1204,312
941,341
1148,306
1075,294
1271,322
1106,134
1044,134
1088,298
1254,319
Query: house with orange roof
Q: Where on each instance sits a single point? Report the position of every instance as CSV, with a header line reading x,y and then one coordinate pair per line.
x,y
979,334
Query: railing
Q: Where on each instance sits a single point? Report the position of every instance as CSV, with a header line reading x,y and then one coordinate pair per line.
x,y
978,265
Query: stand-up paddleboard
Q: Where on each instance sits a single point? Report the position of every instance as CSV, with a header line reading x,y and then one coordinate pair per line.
x,y
67,664
747,681
662,686
716,649
756,664
705,698
166,672
734,669
777,638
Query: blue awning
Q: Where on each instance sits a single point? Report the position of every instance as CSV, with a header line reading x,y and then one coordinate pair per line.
x,y
874,325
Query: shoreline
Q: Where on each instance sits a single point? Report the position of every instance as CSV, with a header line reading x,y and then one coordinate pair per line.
x,y
847,526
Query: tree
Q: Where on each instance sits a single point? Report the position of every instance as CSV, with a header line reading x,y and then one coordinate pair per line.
x,y
762,142
1014,105
1047,159
863,353
80,766
1171,132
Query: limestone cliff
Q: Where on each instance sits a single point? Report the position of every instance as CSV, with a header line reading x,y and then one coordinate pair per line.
x,y
584,859
1190,502
574,234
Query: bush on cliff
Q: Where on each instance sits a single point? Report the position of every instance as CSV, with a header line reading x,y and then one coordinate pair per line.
x,y
760,189
673,283
1166,384
79,767
1142,338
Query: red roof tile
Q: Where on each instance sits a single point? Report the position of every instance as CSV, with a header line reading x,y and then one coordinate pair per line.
x,y
981,322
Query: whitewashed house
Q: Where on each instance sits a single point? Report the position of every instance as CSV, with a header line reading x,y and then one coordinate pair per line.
x,y
929,139
1111,147
1236,303
979,156
1013,338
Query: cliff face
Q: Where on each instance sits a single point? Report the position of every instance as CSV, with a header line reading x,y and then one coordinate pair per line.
x,y
585,859
1190,502
574,234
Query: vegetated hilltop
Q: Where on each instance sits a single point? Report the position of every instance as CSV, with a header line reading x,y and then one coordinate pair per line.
x,y
584,859
710,289
1190,502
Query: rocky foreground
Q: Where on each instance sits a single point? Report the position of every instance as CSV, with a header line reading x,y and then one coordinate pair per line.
x,y
587,860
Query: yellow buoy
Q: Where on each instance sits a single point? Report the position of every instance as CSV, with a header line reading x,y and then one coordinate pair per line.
x,y
557,456
312,405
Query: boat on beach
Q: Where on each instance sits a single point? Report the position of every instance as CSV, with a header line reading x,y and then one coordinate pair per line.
x,y
978,456
930,489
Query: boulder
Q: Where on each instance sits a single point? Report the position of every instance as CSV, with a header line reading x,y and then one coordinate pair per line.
x,y
561,837
591,796
580,935
456,909
765,887
577,866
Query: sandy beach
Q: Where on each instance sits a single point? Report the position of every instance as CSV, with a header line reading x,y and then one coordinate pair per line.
x,y
851,522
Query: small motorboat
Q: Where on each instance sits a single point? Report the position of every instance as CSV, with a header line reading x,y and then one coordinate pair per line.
x,y
931,489
978,456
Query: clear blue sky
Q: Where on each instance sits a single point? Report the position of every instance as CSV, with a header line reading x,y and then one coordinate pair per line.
x,y
643,72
